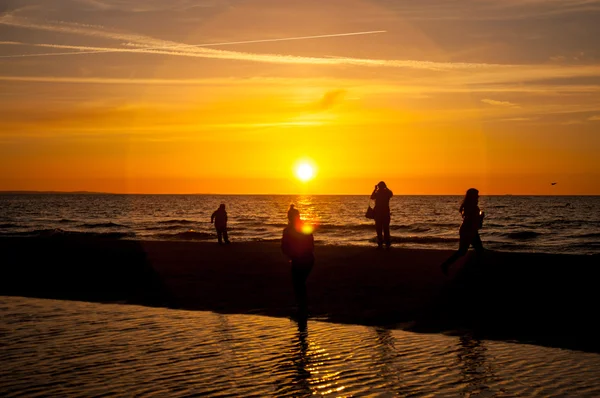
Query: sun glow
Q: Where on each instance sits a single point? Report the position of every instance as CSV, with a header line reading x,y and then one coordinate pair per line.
x,y
305,171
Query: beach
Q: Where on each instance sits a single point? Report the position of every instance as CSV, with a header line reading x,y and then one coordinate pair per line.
x,y
79,349
545,299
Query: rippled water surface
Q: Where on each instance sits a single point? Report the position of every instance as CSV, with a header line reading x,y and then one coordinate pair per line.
x,y
59,348
551,224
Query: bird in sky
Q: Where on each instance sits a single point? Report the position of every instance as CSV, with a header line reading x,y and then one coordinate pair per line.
x,y
553,183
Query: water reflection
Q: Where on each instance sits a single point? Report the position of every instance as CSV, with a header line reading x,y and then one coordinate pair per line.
x,y
301,363
308,369
475,370
308,209
386,360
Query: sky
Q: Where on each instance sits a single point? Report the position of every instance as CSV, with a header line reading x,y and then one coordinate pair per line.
x,y
229,96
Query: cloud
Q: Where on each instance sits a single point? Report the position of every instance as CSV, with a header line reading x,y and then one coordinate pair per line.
x,y
489,10
498,103
573,122
330,99
519,119
594,118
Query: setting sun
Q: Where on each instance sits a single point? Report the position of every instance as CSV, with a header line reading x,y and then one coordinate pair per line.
x,y
305,172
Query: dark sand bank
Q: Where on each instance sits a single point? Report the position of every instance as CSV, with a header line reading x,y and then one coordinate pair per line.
x,y
540,298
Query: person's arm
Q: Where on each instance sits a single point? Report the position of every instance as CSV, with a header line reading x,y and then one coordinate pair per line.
x,y
374,194
285,244
212,217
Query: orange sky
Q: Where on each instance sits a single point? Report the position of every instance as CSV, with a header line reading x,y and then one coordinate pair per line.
x,y
433,98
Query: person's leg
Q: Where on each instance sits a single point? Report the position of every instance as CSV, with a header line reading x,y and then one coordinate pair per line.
x,y
220,235
477,244
300,272
463,248
379,230
386,231
225,236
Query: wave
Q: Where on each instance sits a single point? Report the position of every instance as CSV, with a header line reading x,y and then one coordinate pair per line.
x,y
419,239
419,227
164,228
103,225
184,222
590,235
188,235
8,225
57,232
66,221
522,235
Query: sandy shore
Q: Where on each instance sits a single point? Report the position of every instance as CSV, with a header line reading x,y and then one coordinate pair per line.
x,y
541,298
56,348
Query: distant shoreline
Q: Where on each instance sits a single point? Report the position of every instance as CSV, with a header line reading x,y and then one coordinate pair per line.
x,y
265,194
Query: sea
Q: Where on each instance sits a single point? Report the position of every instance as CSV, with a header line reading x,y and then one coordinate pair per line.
x,y
545,224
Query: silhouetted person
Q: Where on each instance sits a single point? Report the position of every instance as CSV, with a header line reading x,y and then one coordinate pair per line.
x,y
298,245
219,217
382,195
472,222
292,213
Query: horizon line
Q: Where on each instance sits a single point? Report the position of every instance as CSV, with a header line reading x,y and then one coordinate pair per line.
x,y
83,192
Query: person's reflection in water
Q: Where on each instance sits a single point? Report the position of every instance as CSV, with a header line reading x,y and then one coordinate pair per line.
x,y
387,366
476,373
301,360
295,369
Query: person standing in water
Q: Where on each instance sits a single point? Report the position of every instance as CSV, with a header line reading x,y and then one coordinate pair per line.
x,y
219,217
382,195
298,244
469,229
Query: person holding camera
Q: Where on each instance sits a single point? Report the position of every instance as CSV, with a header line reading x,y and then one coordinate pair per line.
x,y
382,195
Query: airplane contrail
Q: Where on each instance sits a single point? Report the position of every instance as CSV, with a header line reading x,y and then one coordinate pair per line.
x,y
229,43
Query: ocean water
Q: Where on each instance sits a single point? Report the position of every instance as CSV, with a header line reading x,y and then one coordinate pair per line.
x,y
75,349
550,224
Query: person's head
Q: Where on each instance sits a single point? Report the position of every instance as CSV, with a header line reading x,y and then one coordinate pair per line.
x,y
471,198
381,185
293,214
472,195
222,206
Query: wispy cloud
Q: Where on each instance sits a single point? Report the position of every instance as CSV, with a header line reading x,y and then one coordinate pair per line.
x,y
330,99
478,73
498,103
140,47
489,10
573,122
595,118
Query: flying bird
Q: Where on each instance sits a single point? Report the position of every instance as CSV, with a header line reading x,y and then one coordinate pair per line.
x,y
553,183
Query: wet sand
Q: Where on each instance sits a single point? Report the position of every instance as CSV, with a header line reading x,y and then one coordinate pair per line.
x,y
539,298
78,349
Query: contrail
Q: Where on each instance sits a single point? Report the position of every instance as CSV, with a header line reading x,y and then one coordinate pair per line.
x,y
229,43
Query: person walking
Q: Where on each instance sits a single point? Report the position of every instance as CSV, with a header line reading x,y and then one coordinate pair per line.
x,y
469,230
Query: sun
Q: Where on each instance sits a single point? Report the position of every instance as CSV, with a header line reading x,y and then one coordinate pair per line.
x,y
305,172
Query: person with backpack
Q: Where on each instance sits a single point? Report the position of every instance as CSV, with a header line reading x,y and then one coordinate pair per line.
x,y
298,244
